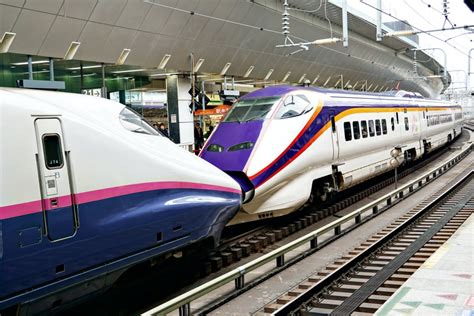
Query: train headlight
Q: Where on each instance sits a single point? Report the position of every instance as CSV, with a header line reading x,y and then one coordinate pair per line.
x,y
241,146
215,148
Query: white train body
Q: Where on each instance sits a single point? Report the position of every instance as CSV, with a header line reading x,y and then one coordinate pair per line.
x,y
86,184
284,143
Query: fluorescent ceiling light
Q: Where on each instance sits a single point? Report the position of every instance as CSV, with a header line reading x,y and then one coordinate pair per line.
x,y
327,81
249,71
198,65
347,83
369,87
71,51
269,73
164,61
33,62
123,56
85,67
376,87
302,78
6,41
165,74
84,75
315,79
286,76
126,71
226,67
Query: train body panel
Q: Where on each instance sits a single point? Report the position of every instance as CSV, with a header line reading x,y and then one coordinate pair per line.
x,y
314,141
82,195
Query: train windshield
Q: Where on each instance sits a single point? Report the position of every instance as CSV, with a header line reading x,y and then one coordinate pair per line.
x,y
251,109
135,123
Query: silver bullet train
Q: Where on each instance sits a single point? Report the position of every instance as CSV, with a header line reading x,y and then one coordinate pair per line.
x,y
88,189
284,144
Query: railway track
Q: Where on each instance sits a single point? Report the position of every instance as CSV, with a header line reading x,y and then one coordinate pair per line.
x,y
339,228
238,247
363,280
257,239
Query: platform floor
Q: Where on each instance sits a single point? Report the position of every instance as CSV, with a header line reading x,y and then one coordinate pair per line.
x,y
444,284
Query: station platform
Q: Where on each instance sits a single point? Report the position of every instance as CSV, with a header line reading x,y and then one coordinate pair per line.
x,y
444,284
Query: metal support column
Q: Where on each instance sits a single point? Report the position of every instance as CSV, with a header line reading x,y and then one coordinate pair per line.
x,y
379,20
345,26
30,67
51,69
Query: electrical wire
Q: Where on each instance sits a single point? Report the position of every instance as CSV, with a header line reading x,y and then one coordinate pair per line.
x,y
326,15
309,11
414,27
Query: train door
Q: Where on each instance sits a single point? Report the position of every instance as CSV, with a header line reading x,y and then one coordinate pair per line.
x,y
59,209
334,136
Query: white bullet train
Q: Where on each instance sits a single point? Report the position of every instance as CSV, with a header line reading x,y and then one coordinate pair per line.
x,y
284,144
87,189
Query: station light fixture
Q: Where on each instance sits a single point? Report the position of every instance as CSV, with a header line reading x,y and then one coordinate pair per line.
x,y
226,67
164,61
327,81
286,76
85,67
127,71
198,65
249,71
33,62
6,41
315,80
302,78
123,56
72,50
269,73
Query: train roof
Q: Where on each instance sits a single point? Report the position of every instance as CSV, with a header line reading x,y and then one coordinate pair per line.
x,y
399,95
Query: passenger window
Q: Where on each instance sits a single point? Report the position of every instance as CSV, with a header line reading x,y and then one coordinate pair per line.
x,y
371,128
392,120
356,128
52,151
406,124
377,127
294,105
384,127
363,125
347,131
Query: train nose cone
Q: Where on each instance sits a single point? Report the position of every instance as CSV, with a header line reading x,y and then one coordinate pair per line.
x,y
230,148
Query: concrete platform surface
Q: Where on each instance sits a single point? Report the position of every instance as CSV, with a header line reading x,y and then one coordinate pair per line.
x,y
444,284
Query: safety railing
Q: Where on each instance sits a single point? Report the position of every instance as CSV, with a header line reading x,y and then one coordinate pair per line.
x,y
182,302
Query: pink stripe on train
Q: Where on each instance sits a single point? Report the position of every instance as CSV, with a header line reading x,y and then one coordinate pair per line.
x,y
102,194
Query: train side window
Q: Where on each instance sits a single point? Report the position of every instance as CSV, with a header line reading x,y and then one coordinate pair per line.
x,y
363,127
356,129
396,114
407,127
377,127
347,131
371,128
384,126
52,151
392,121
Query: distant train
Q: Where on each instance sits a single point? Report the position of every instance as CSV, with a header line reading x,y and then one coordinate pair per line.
x,y
87,189
286,144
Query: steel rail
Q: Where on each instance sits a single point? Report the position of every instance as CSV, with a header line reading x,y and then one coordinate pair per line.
x,y
182,302
347,306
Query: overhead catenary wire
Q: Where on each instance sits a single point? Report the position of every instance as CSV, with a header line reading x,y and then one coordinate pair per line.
x,y
414,27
